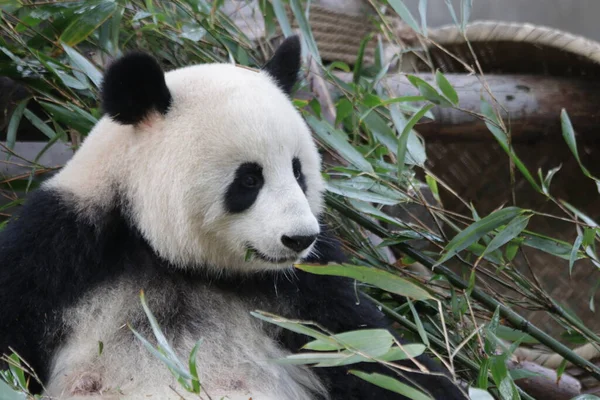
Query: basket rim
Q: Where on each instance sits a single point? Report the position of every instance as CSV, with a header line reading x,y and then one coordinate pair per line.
x,y
497,31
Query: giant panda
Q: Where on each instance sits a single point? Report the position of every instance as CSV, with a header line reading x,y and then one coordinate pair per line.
x,y
185,172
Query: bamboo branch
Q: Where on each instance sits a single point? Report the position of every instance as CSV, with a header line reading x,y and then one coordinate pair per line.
x,y
489,302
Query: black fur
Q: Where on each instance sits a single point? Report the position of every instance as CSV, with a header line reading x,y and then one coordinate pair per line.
x,y
133,87
285,64
298,174
243,191
49,259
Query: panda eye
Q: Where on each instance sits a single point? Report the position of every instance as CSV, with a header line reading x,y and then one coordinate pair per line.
x,y
297,169
250,181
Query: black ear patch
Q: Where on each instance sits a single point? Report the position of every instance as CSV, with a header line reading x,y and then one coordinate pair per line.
x,y
134,86
285,64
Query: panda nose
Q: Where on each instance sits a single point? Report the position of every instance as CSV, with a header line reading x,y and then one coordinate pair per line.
x,y
298,243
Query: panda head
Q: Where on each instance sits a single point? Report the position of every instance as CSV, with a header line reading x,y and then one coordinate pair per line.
x,y
210,162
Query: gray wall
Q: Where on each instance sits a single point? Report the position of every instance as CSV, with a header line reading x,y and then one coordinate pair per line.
x,y
575,16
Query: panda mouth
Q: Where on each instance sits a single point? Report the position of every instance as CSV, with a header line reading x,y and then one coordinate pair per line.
x,y
254,253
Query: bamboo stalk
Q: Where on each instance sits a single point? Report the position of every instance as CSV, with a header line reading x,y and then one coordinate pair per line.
x,y
489,302
410,325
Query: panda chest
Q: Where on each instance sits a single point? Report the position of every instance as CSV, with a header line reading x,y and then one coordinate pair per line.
x,y
234,356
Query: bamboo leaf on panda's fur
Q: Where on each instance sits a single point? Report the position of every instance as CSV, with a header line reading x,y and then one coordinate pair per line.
x,y
371,341
292,325
389,383
372,276
160,337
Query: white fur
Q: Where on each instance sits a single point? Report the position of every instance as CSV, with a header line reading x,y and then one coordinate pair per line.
x,y
234,359
174,169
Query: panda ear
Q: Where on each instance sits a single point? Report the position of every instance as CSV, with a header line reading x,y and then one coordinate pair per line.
x,y
133,87
285,64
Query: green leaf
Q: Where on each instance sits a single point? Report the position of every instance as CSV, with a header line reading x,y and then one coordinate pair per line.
x,y
292,325
517,374
446,88
80,28
548,245
482,376
478,229
428,91
372,276
70,117
511,231
433,186
38,123
344,109
13,125
574,252
304,26
338,140
193,367
7,393
282,18
479,394
160,337
361,194
374,342
561,369
359,58
419,323
492,326
392,385
84,65
513,335
465,6
423,15
405,131
169,362
404,13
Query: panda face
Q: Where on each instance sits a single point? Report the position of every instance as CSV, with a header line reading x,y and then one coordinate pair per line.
x,y
213,161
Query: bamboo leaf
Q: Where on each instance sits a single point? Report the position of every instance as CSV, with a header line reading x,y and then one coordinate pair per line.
x,y
91,18
466,6
7,393
511,231
392,385
13,124
307,35
359,58
372,276
423,15
38,123
338,140
477,230
373,342
282,18
404,13
419,324
404,131
84,65
573,256
479,394
292,325
446,88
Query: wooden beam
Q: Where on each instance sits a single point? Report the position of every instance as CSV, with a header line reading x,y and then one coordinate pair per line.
x,y
533,103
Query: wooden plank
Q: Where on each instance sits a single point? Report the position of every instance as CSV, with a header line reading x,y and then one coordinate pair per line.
x,y
532,102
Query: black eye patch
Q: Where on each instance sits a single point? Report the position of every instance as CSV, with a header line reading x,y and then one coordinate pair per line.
x,y
297,168
244,189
